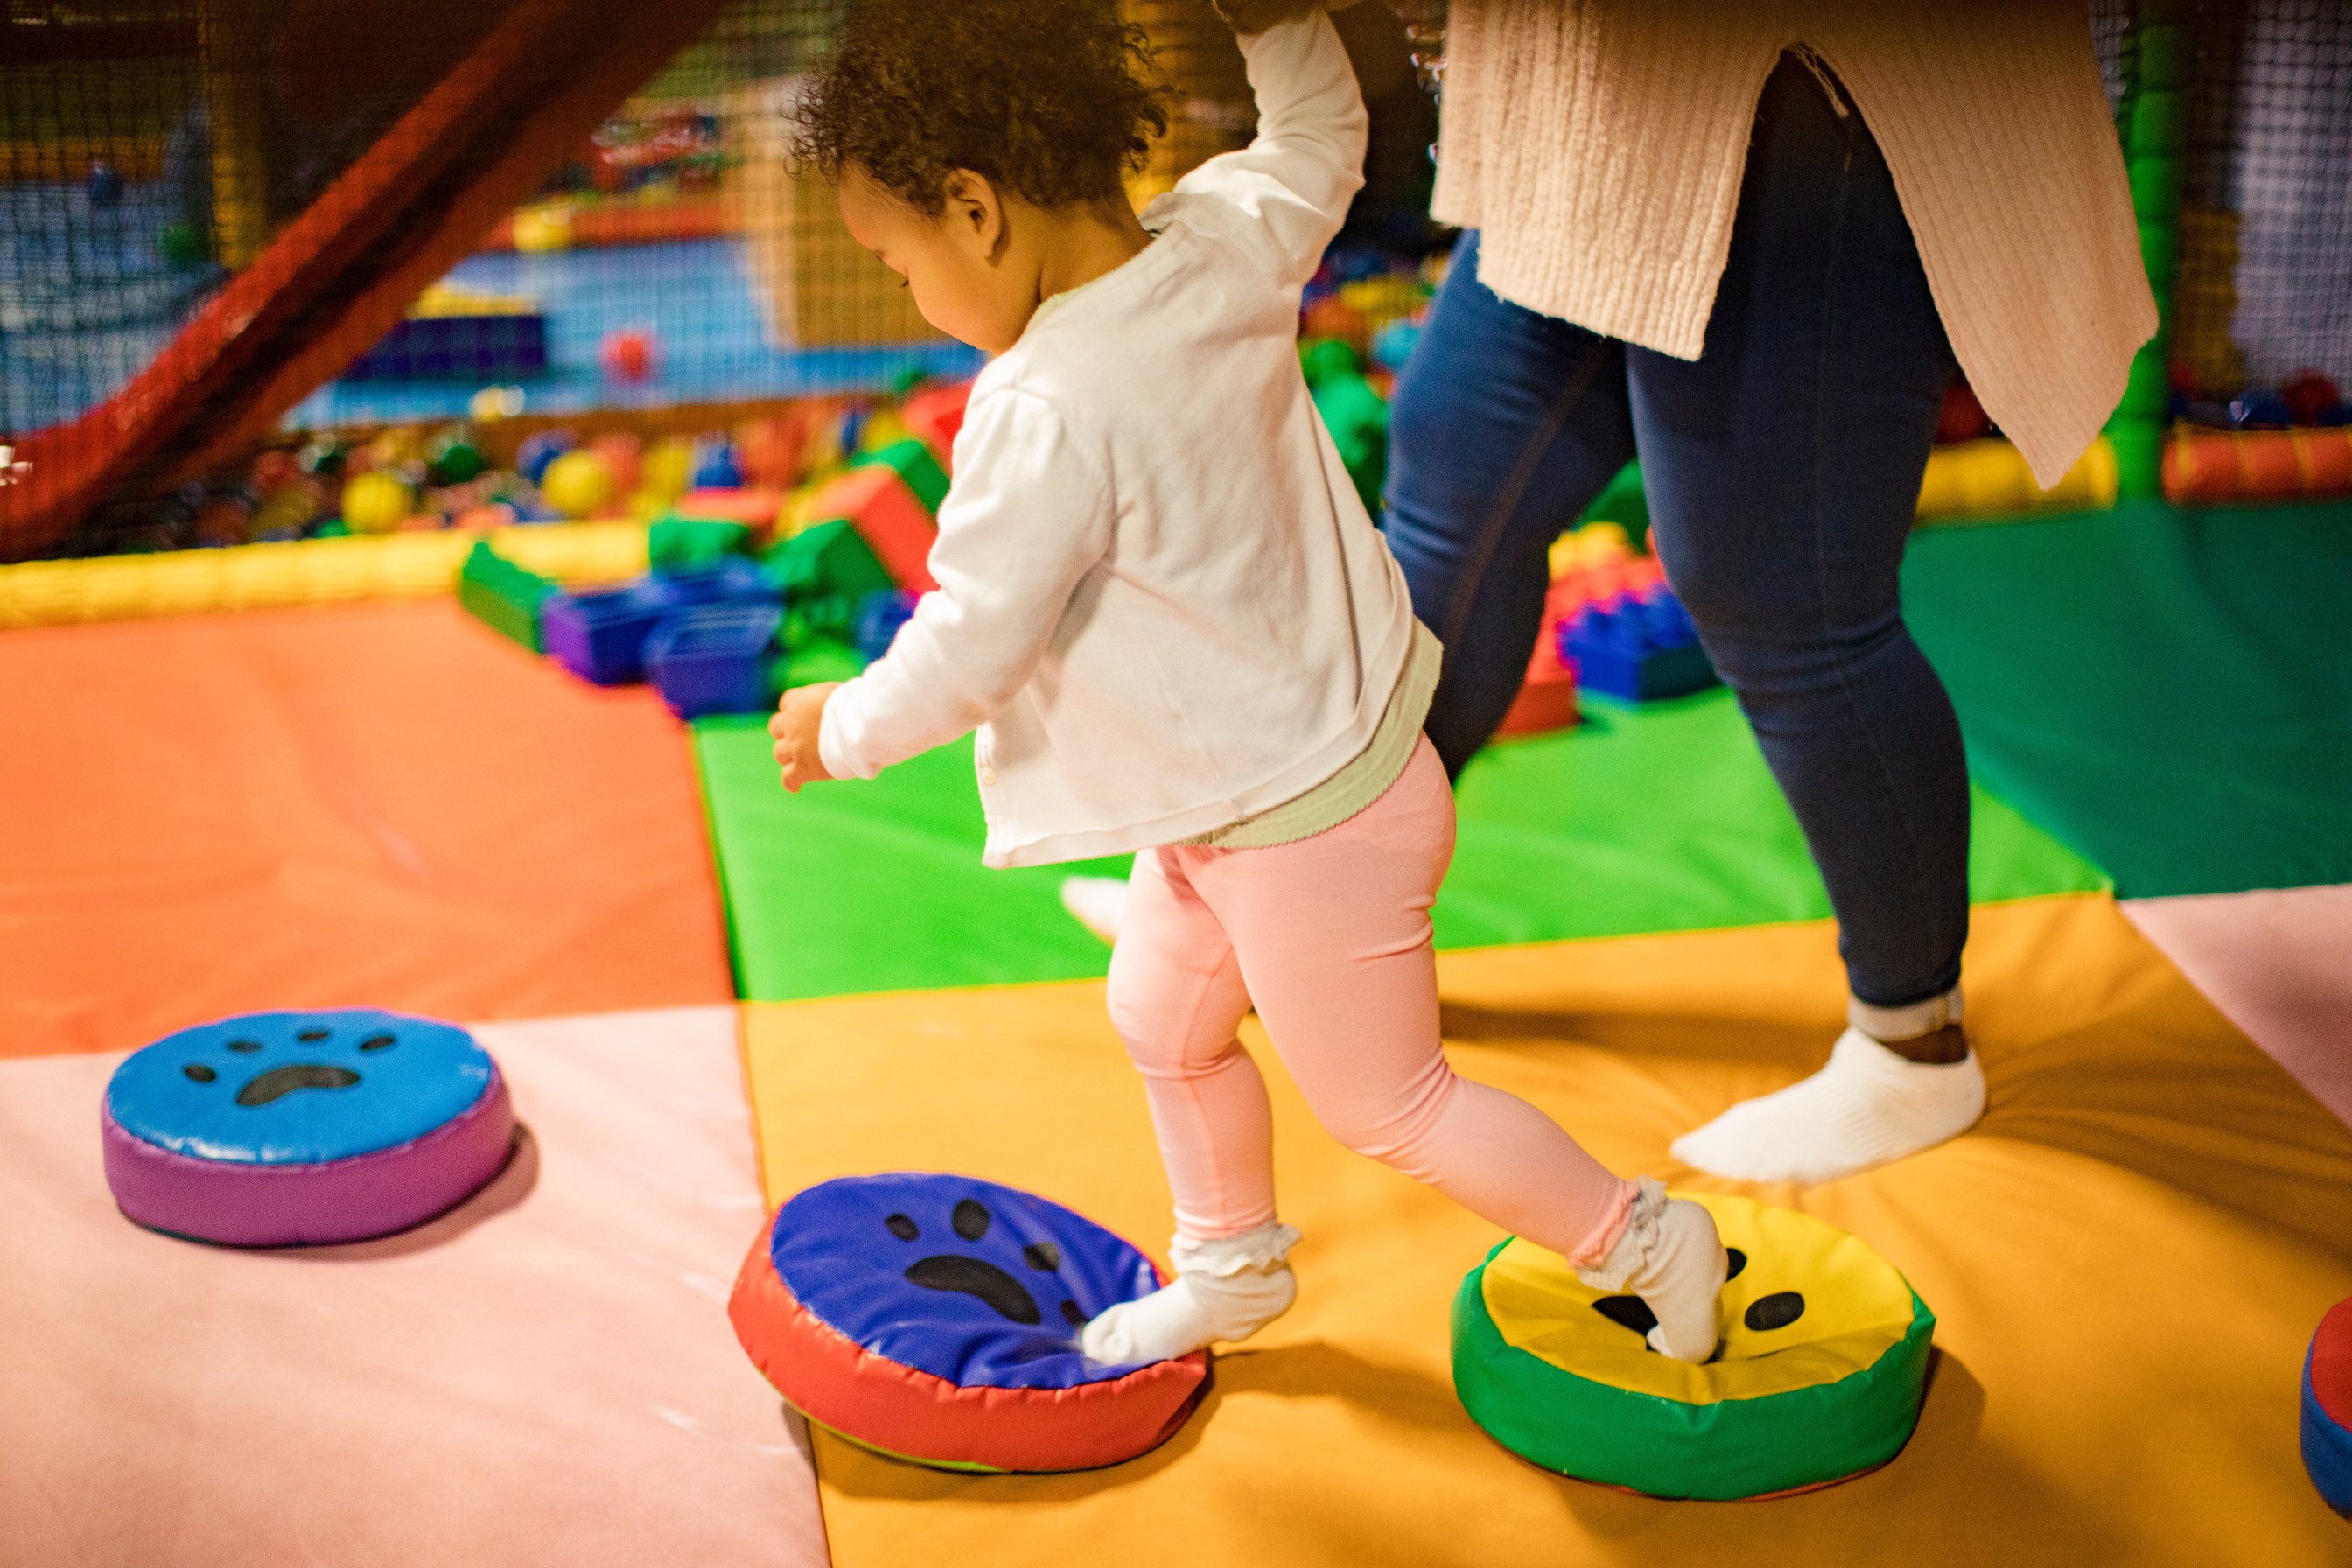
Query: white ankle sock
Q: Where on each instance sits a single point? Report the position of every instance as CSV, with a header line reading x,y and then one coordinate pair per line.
x,y
1227,1290
1669,1256
1096,903
1867,1107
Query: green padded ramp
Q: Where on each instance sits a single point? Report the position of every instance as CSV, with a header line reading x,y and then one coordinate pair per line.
x,y
2169,693
1657,819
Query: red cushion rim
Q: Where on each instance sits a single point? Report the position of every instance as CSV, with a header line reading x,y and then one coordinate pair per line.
x,y
872,1399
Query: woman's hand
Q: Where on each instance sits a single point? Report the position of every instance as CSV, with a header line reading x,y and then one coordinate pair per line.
x,y
799,719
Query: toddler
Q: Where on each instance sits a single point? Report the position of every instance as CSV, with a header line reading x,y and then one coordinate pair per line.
x,y
1178,632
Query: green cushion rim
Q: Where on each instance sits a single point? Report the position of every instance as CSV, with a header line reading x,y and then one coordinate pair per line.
x,y
1670,1448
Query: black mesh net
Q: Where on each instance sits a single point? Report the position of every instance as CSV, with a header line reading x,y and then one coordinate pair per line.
x,y
2263,292
228,222
224,222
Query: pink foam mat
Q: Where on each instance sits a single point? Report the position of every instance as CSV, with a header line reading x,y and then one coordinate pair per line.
x,y
2277,962
545,1376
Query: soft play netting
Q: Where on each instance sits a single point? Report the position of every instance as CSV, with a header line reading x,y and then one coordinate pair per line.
x,y
302,807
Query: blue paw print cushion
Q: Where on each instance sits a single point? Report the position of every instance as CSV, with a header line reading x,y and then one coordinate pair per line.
x,y
936,1319
279,1128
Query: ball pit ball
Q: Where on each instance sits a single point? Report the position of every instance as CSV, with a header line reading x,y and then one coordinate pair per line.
x,y
667,471
453,458
495,403
376,502
538,453
628,354
577,483
274,471
623,457
2308,396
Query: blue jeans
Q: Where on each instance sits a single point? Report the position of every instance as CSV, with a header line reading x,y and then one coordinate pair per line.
x,y
1783,468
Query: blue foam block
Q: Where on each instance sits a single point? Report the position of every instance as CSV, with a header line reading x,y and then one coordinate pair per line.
x,y
715,659
1636,648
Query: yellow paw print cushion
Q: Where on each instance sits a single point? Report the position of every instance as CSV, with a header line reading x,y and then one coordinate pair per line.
x,y
1823,1366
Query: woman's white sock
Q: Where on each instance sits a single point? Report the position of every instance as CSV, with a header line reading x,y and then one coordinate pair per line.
x,y
1227,1290
1867,1107
1670,1255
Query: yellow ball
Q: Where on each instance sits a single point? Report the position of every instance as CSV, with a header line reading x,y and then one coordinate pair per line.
x,y
374,503
668,471
577,484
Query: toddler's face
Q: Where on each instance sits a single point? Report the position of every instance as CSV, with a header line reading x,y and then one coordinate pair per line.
x,y
965,283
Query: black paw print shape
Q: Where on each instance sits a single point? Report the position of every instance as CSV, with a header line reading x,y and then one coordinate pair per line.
x,y
977,1276
1764,1314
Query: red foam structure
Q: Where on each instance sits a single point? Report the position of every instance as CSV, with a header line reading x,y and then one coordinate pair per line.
x,y
935,415
343,273
888,517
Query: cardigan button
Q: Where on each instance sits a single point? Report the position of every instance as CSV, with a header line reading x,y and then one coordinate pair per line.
x,y
987,774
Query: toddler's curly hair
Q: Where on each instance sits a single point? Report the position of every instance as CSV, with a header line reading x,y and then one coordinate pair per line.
x,y
1057,99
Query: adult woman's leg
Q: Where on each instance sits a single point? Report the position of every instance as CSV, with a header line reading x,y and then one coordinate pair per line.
x,y
1783,470
1506,423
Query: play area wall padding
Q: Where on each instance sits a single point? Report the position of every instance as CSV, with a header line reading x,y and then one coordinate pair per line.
x,y
305,572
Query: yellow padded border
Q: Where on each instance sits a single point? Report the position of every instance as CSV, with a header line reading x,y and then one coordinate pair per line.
x,y
308,571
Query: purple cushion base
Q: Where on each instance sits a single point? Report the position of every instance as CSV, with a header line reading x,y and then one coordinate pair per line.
x,y
375,1193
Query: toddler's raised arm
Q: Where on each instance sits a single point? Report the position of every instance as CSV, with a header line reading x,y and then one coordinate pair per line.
x,y
1306,164
1027,517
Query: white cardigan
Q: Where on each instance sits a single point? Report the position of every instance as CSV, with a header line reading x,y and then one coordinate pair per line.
x,y
1160,601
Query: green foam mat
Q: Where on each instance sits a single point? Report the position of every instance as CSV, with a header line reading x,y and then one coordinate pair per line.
x,y
2169,692
1663,818
878,886
1651,819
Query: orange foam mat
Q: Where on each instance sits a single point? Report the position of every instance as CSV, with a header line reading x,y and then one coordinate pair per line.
x,y
2126,1257
545,1376
380,804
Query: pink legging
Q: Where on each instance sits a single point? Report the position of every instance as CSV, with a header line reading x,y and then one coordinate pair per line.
x,y
1330,936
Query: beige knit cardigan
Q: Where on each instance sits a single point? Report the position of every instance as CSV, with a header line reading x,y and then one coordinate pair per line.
x,y
1598,146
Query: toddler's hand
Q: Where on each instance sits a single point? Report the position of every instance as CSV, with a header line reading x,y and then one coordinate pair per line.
x,y
1257,16
795,726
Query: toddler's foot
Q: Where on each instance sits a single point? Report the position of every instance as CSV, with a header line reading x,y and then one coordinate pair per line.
x,y
1226,1290
1868,1106
1096,903
1669,1256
